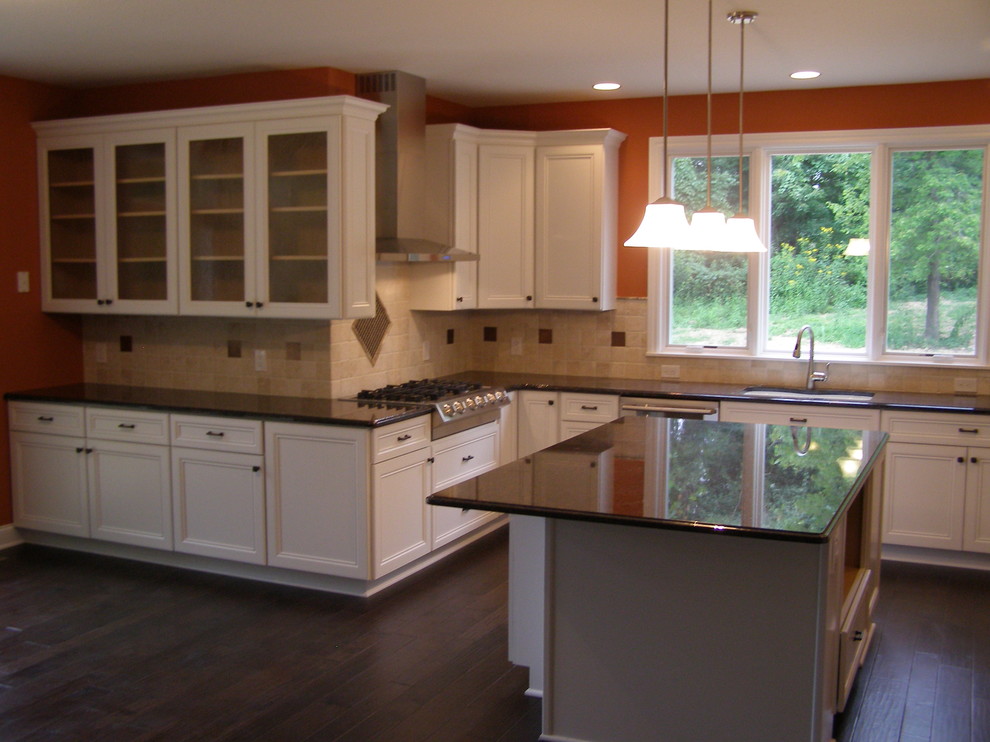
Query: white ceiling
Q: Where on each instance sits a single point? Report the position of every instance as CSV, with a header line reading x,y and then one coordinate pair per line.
x,y
488,53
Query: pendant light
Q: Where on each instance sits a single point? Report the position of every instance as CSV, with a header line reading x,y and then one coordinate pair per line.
x,y
664,223
740,230
707,230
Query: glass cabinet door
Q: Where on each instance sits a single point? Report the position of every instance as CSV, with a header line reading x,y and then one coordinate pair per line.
x,y
72,224
296,264
143,262
215,220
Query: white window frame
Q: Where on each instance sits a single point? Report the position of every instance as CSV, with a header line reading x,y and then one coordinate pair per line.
x,y
760,148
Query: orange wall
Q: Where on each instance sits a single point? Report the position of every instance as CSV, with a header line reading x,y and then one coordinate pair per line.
x,y
36,349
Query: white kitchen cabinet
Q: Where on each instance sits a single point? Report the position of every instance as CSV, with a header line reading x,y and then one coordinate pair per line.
x,y
506,213
451,219
538,207
218,488
261,209
576,211
401,521
937,491
538,421
48,482
317,485
458,458
580,412
108,221
813,416
93,472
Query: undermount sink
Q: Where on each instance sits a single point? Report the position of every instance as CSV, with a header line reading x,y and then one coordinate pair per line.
x,y
814,395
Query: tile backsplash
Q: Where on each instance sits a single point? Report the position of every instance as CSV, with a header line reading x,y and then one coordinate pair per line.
x,y
318,358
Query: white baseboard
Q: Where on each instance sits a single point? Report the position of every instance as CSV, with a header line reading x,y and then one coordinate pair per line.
x,y
935,557
9,536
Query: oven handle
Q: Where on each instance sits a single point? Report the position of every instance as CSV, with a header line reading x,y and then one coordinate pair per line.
x,y
668,410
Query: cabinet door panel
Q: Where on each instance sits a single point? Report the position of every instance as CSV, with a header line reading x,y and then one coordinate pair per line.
x,y
216,224
505,226
130,497
48,477
401,521
538,422
317,505
924,494
977,530
219,504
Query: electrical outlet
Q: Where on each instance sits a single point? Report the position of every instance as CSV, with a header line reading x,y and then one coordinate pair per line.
x,y
426,350
670,372
23,282
260,360
965,385
515,346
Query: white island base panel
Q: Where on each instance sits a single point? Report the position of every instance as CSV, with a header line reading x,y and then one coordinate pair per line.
x,y
665,636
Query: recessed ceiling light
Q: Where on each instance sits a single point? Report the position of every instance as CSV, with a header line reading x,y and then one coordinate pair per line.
x,y
606,86
805,75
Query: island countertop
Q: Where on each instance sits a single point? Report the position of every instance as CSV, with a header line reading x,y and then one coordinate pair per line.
x,y
764,481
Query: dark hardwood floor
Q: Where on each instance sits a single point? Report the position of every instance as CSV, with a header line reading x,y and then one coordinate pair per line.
x,y
100,649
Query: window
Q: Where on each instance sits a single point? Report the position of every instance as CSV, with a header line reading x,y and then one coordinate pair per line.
x,y
876,239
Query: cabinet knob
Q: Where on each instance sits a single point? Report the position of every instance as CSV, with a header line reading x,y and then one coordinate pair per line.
x,y
973,460
857,636
961,460
100,302
109,302
429,460
259,304
80,450
594,299
529,298
550,402
249,304
255,469
460,298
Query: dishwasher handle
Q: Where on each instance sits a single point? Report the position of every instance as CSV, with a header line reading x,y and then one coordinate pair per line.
x,y
668,410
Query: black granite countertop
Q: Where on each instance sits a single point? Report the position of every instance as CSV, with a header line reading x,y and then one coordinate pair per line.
x,y
229,404
765,481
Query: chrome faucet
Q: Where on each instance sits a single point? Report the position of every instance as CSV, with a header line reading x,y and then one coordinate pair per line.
x,y
813,376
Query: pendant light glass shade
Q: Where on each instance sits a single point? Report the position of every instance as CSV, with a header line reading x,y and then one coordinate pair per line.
x,y
741,236
707,230
664,225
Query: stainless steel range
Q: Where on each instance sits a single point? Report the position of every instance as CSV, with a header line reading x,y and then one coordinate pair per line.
x,y
457,405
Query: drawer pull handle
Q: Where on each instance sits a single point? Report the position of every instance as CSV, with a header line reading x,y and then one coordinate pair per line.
x,y
969,430
215,434
591,407
126,426
45,419
857,636
405,437
798,419
467,458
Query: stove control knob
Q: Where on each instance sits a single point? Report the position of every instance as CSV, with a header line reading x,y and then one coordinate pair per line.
x,y
458,408
490,398
446,409
469,403
500,396
480,400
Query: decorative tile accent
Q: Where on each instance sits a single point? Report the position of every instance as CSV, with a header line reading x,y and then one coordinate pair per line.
x,y
233,349
293,351
618,340
371,332
545,336
490,335
450,336
126,344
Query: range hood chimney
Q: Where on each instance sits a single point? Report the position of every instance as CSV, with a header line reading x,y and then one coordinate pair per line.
x,y
400,170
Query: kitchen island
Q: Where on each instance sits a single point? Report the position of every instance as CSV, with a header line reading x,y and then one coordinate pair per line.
x,y
690,580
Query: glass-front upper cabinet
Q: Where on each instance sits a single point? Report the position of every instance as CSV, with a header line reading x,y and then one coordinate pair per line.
x,y
216,189
108,223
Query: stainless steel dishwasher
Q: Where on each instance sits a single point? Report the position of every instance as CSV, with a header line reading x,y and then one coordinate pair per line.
x,y
692,409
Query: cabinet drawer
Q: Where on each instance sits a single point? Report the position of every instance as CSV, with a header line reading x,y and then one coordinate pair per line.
x,y
600,408
464,455
397,438
815,416
112,424
926,427
39,417
855,636
217,433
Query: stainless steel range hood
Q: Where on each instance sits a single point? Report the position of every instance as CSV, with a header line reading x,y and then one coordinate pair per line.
x,y
400,170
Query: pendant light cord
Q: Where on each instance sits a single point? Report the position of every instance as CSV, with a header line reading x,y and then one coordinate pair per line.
x,y
742,57
708,193
666,66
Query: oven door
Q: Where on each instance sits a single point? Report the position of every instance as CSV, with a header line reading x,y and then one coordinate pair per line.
x,y
692,409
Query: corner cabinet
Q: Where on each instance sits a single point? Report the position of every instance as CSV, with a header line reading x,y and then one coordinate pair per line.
x,y
539,208
247,210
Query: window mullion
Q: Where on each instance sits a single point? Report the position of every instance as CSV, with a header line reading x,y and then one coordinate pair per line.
x,y
758,298
877,277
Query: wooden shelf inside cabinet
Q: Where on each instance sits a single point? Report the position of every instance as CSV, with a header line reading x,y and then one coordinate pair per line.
x,y
67,261
214,212
143,260
73,184
139,214
317,258
295,173
72,217
148,179
297,209
218,258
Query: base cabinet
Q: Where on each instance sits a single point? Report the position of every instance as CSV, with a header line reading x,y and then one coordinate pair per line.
x,y
316,494
48,477
401,516
219,504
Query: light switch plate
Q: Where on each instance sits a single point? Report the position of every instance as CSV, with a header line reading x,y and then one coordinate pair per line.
x,y
260,360
670,372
